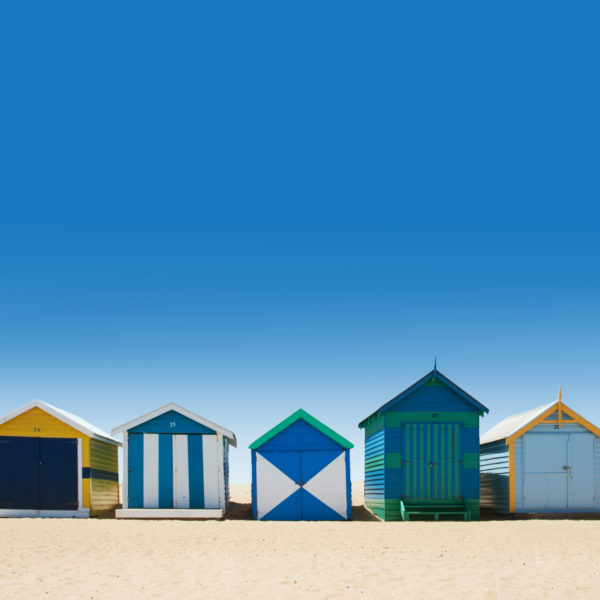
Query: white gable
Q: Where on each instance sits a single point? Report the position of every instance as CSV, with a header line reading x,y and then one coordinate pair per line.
x,y
183,411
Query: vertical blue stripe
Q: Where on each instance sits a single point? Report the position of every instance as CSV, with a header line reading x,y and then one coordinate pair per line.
x,y
165,470
135,457
254,505
196,471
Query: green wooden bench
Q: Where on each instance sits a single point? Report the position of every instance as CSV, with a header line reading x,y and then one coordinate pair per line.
x,y
434,510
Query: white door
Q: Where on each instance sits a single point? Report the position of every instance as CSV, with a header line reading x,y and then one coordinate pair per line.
x,y
581,471
545,478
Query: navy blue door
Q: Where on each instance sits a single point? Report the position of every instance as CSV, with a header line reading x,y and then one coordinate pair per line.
x,y
19,472
38,473
58,474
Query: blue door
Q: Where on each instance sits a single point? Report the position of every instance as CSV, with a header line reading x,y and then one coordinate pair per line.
x,y
58,474
19,472
38,473
285,481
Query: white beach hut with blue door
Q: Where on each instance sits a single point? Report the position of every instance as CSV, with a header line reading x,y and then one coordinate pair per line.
x,y
544,460
177,465
301,471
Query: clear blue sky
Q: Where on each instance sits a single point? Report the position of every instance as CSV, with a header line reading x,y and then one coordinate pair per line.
x,y
261,208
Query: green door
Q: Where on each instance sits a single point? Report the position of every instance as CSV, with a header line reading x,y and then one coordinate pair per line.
x,y
432,461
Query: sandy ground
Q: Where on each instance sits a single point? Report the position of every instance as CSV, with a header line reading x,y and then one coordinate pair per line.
x,y
104,558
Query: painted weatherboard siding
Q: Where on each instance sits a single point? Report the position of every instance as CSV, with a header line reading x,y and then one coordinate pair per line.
x,y
226,470
423,447
375,472
104,477
494,486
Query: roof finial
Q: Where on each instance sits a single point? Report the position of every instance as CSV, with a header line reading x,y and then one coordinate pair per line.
x,y
435,365
559,406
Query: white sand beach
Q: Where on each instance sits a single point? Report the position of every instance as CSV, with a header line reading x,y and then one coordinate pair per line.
x,y
105,558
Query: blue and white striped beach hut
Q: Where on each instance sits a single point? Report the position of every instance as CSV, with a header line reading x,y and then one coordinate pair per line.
x,y
177,465
301,471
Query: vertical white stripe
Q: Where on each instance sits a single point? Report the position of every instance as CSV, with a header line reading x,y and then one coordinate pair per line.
x,y
181,480
150,470
210,464
125,472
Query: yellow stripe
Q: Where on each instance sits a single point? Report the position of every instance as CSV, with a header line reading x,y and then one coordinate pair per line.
x,y
511,477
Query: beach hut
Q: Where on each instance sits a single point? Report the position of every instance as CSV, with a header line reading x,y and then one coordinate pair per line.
x,y
545,460
177,465
54,464
422,453
301,471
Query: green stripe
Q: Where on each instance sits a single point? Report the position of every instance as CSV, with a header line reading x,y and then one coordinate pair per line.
x,y
374,427
304,416
393,460
456,464
436,459
374,464
422,461
397,419
471,460
413,462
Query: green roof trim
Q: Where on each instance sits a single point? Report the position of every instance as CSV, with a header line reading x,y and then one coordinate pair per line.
x,y
302,414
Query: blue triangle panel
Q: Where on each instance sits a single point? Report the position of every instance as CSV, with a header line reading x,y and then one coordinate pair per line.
x,y
288,510
287,462
314,510
313,462
300,436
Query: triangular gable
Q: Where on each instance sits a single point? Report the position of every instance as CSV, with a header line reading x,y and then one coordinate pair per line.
x,y
546,417
435,374
302,414
555,413
183,411
68,418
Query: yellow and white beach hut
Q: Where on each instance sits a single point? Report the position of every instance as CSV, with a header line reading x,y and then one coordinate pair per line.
x,y
55,464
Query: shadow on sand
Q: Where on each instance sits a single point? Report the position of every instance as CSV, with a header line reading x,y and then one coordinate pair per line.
x,y
243,512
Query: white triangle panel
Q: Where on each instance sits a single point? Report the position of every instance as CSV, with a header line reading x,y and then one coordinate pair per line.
x,y
272,486
329,486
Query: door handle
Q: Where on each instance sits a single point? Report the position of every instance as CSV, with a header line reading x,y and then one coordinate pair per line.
x,y
568,468
432,464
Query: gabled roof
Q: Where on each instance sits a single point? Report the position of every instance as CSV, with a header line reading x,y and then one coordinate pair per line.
x,y
302,414
516,425
66,417
183,411
435,374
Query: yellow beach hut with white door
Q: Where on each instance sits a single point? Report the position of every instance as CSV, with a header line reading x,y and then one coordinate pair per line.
x,y
545,460
55,464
